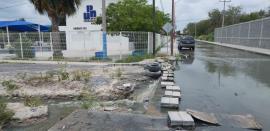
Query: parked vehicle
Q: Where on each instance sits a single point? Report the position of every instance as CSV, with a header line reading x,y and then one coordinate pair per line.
x,y
186,42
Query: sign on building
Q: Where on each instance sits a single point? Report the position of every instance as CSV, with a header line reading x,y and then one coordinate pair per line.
x,y
90,15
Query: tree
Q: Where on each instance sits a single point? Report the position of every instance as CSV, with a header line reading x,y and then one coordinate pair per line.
x,y
56,9
134,15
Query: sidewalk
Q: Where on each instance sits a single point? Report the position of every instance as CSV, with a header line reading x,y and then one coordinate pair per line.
x,y
239,47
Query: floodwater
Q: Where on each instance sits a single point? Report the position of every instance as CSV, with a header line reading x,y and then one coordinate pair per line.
x,y
225,81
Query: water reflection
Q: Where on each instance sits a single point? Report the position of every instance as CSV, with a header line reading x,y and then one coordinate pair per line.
x,y
187,56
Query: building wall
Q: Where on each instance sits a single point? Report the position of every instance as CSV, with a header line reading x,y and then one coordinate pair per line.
x,y
85,38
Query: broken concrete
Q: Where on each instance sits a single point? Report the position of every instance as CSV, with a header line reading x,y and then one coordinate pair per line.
x,y
204,117
83,120
246,122
23,112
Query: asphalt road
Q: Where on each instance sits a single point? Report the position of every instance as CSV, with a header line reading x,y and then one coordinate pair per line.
x,y
225,81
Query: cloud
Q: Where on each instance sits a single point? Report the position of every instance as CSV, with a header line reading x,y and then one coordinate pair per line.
x,y
186,10
196,10
15,9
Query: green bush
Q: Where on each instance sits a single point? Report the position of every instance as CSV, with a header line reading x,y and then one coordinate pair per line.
x,y
131,59
209,37
26,48
79,75
88,100
32,101
10,85
5,115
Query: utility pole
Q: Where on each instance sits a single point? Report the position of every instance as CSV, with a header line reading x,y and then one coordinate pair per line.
x,y
104,29
173,23
224,10
154,27
195,30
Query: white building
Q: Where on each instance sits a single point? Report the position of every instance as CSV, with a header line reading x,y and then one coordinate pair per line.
x,y
84,38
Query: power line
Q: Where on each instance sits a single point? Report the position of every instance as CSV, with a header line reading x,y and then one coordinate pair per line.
x,y
15,5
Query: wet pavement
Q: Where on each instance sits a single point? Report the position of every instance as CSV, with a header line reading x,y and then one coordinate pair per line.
x,y
225,81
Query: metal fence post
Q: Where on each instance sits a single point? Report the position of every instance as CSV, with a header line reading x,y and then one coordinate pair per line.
x,y
121,40
51,44
21,45
249,29
261,33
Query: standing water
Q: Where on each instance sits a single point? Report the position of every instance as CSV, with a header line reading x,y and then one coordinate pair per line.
x,y
221,80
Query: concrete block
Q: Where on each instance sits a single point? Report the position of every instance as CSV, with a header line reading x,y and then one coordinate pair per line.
x,y
168,102
180,119
166,83
164,78
174,94
173,88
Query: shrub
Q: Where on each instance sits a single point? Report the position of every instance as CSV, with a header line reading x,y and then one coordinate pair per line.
x,y
27,48
118,73
10,85
32,101
88,100
80,75
5,115
131,59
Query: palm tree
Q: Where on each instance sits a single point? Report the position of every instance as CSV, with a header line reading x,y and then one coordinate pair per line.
x,y
56,9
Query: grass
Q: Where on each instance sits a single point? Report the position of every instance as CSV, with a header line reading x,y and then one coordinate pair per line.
x,y
131,59
5,115
81,75
10,85
88,100
118,73
31,101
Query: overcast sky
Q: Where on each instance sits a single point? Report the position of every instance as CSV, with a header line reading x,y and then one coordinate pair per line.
x,y
186,10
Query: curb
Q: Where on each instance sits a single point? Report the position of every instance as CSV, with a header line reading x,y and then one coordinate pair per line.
x,y
239,47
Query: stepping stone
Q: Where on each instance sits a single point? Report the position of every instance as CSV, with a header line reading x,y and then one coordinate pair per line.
x,y
180,119
173,88
165,83
164,78
168,75
174,94
167,102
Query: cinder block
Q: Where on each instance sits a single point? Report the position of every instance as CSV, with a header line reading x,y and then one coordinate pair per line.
x,y
180,119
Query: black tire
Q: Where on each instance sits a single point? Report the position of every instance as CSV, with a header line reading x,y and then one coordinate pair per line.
x,y
154,67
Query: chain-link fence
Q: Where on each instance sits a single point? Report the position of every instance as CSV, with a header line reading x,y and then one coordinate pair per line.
x,y
253,34
76,45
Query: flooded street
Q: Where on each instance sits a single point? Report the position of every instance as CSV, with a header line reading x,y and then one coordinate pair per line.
x,y
225,81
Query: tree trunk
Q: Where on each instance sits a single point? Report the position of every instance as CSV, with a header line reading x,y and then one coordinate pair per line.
x,y
56,39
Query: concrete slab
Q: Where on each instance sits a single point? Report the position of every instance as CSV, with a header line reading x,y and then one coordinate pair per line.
x,y
202,116
180,119
174,94
246,122
84,120
166,83
173,88
168,102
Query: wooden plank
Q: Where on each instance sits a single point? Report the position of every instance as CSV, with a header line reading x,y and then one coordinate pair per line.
x,y
205,117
